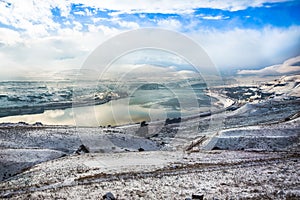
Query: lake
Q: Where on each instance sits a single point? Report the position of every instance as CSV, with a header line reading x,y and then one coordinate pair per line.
x,y
140,105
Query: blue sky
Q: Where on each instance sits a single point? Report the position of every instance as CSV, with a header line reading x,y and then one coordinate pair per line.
x,y
58,35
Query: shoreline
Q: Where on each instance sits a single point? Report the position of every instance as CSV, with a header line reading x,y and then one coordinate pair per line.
x,y
220,105
222,99
39,109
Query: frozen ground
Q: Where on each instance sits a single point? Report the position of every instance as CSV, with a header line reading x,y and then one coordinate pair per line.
x,y
272,137
24,146
255,155
161,175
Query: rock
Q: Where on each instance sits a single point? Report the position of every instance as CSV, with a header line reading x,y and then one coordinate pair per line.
x,y
82,149
198,196
7,196
142,131
141,193
216,148
188,198
141,149
143,123
38,124
280,192
23,123
109,196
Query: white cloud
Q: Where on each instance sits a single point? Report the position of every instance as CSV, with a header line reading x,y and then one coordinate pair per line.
x,y
77,26
174,6
35,18
32,16
82,13
172,24
246,48
27,13
9,37
233,49
35,40
127,25
218,17
67,50
291,66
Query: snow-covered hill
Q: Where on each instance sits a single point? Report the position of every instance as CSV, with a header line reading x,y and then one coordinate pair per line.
x,y
285,87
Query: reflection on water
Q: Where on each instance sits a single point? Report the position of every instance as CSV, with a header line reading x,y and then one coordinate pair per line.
x,y
148,105
157,85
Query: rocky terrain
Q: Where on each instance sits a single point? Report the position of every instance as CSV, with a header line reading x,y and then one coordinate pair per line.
x,y
161,175
250,150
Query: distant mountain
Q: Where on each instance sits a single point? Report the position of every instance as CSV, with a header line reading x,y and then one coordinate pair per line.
x,y
75,74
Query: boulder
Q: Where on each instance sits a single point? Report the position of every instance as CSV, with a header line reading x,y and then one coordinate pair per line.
x,y
109,196
198,196
82,149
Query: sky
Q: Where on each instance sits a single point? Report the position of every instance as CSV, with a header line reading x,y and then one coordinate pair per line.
x,y
54,35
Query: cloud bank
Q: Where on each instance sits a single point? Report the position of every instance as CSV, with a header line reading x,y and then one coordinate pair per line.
x,y
290,66
59,35
246,48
